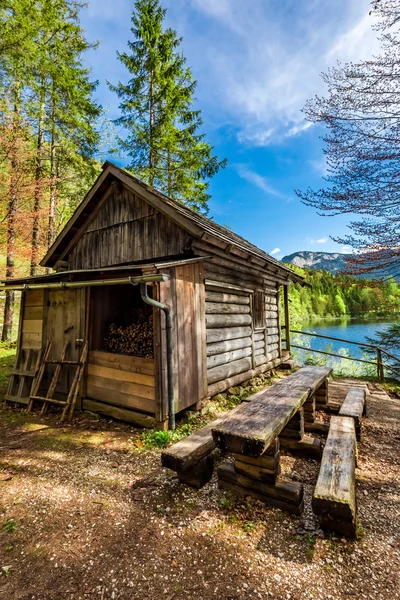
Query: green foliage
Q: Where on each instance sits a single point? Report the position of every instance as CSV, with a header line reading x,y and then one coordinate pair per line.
x,y
163,141
331,296
153,438
9,525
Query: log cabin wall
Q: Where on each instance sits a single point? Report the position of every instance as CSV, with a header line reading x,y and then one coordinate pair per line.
x,y
238,349
125,229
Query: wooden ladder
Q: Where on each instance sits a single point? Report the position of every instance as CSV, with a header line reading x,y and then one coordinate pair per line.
x,y
23,375
70,402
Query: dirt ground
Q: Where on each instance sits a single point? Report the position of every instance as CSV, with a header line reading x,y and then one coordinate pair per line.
x,y
88,513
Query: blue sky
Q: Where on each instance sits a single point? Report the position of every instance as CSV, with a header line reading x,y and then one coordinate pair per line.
x,y
256,63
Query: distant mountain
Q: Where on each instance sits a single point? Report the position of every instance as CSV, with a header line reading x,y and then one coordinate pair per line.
x,y
333,262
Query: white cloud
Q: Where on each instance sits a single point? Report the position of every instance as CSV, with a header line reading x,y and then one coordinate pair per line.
x,y
258,137
259,71
275,251
258,180
322,240
319,166
296,129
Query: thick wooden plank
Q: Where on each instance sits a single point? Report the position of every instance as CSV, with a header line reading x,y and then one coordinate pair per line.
x,y
119,397
34,298
227,357
353,405
134,364
307,447
33,313
32,326
262,359
212,296
119,375
135,389
187,452
225,371
221,386
334,499
265,461
253,428
227,333
121,414
228,346
31,340
257,471
219,321
220,308
287,495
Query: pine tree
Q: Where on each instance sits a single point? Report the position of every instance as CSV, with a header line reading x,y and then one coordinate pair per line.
x,y
62,109
19,20
163,139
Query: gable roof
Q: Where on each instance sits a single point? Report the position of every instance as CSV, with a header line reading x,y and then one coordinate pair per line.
x,y
195,223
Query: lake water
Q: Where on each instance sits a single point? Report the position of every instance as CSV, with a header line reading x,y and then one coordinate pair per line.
x,y
346,329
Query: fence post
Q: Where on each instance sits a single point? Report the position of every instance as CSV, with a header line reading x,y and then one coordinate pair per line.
x,y
379,364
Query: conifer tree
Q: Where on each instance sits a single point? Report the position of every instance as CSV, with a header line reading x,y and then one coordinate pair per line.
x,y
63,109
163,139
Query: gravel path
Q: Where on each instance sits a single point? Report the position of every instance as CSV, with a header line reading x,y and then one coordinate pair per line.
x,y
87,512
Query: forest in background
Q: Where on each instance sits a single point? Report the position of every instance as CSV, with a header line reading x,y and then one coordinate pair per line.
x,y
54,135
332,296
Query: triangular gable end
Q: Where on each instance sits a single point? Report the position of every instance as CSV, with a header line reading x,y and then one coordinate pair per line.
x,y
116,223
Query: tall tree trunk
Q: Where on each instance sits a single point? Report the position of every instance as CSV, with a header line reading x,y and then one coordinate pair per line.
x,y
151,148
11,219
10,259
169,173
38,187
53,183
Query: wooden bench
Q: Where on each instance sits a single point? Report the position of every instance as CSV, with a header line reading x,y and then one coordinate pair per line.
x,y
275,416
192,459
354,406
334,498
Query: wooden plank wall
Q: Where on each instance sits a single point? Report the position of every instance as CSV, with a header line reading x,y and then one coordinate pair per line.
x,y
185,294
122,380
236,351
126,229
32,319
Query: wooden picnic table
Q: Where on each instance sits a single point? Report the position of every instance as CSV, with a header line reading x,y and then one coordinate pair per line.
x,y
255,425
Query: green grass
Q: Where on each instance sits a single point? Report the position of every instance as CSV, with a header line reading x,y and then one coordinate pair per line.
x,y
7,360
153,438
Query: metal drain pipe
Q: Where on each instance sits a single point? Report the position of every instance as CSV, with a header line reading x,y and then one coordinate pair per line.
x,y
168,335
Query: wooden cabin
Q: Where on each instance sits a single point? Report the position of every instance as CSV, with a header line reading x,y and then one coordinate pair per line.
x,y
223,293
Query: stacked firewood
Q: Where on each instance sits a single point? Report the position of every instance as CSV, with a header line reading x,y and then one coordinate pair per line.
x,y
135,338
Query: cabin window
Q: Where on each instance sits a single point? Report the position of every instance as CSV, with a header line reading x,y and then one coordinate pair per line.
x,y
121,322
259,310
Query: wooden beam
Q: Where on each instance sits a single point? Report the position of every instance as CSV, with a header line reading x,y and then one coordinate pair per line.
x,y
287,317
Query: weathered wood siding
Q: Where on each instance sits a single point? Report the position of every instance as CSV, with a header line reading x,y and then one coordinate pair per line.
x,y
32,319
236,350
125,229
185,294
121,380
65,321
